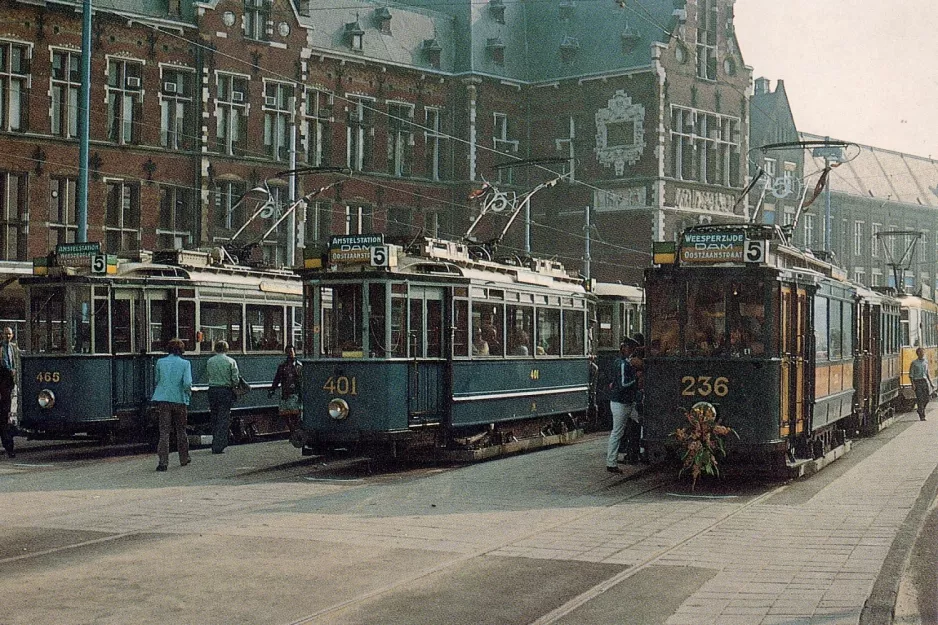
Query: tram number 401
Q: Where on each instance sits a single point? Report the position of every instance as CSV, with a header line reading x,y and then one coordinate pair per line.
x,y
341,385
704,385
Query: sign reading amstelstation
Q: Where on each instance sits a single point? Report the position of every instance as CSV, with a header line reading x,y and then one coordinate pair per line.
x,y
353,248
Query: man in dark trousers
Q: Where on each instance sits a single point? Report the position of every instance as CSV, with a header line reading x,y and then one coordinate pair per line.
x,y
223,377
171,397
918,373
9,365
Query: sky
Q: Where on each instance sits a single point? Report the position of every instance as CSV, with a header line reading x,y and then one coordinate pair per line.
x,y
864,71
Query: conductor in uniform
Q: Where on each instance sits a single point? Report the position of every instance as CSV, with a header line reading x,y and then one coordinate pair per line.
x,y
9,365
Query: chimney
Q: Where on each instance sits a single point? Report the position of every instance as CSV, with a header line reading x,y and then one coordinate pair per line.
x,y
762,86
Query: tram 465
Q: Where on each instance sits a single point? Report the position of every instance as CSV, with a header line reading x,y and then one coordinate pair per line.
x,y
794,357
436,350
92,341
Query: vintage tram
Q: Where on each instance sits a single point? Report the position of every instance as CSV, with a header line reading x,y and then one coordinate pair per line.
x,y
92,339
792,355
619,314
431,348
919,327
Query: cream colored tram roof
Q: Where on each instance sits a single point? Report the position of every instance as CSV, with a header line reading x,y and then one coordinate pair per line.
x,y
238,280
615,289
493,274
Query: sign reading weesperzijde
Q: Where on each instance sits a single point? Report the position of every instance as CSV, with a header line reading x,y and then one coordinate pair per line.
x,y
353,248
713,247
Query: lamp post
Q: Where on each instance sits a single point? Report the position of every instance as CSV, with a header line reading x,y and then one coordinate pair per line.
x,y
84,119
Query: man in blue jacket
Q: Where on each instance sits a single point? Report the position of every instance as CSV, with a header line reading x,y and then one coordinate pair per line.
x,y
171,397
621,400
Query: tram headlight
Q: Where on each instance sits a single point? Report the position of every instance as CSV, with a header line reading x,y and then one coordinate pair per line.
x,y
704,410
338,409
46,398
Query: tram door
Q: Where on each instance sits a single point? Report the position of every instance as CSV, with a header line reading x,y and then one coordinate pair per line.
x,y
426,373
793,322
129,370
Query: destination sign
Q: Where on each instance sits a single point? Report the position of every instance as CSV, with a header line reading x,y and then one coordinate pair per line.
x,y
353,248
713,247
78,249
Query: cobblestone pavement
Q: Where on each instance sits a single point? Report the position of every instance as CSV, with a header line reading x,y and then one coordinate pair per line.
x,y
550,534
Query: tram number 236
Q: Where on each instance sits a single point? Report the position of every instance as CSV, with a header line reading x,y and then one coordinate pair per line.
x,y
341,385
704,385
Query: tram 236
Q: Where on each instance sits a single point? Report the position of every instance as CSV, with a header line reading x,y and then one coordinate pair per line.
x,y
436,351
794,357
92,341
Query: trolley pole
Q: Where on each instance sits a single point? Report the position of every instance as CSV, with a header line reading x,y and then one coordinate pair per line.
x,y
84,119
586,257
827,210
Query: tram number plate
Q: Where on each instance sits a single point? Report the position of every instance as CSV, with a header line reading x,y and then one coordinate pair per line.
x,y
48,376
705,385
341,385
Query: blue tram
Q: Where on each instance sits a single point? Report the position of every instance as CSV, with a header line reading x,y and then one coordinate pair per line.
x,y
439,350
92,340
793,356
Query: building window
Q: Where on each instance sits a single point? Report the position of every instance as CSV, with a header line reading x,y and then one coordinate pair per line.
x,y
14,213
175,226
360,135
14,85
61,220
859,275
496,50
400,139
318,224
705,147
231,114
769,166
318,113
808,230
874,243
877,278
122,216
501,143
858,228
66,84
497,10
433,136
256,14
400,221
278,112
176,109
707,39
229,210
124,101
358,219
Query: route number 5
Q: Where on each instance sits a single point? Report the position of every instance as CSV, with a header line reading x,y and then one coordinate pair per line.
x,y
755,251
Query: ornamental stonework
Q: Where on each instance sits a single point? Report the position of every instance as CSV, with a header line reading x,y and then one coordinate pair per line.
x,y
620,132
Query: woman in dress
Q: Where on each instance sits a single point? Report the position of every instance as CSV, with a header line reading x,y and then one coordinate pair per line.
x,y
288,379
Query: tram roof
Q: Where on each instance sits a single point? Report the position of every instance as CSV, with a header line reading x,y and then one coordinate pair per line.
x,y
615,289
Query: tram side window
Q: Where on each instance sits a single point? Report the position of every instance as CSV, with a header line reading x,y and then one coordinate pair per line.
x,y
399,326
705,332
377,316
606,336
663,304
295,320
904,324
746,318
121,326
434,328
187,326
220,322
47,316
162,324
820,327
520,325
346,319
548,332
101,327
488,318
461,327
264,325
848,318
836,329
574,329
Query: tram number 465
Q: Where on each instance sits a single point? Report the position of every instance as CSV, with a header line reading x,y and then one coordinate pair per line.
x,y
705,385
341,385
48,376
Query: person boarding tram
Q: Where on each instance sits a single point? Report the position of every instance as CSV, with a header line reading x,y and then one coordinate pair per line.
x,y
622,391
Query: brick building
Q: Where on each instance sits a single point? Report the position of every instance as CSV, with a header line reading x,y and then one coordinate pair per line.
x,y
197,105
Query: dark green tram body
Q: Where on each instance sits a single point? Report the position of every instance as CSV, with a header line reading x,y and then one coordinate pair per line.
x,y
794,357
442,351
92,342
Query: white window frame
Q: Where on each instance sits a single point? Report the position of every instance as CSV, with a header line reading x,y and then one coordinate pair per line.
x,y
318,117
278,119
14,86
176,107
125,229
433,141
858,228
400,138
230,113
124,99
360,132
64,93
705,135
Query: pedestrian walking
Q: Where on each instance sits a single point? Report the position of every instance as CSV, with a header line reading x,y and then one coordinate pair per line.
x,y
223,377
288,379
918,373
621,401
9,366
171,397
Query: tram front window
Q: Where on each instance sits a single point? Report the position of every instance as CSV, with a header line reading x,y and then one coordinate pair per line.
x,y
664,300
346,317
47,320
80,326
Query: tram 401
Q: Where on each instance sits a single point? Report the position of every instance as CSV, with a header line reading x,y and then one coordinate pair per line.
x,y
794,357
94,334
430,349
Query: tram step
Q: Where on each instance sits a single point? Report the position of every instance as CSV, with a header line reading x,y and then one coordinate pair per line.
x,y
804,468
525,444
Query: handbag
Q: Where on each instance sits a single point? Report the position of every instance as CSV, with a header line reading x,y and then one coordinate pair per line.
x,y
241,388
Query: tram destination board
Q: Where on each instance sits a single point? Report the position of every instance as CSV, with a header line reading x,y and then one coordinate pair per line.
x,y
712,247
353,248
76,254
